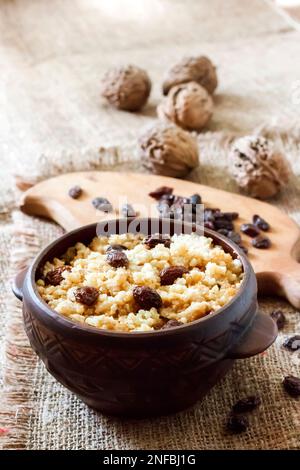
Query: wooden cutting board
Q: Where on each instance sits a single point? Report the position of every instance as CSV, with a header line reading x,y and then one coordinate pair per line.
x,y
277,269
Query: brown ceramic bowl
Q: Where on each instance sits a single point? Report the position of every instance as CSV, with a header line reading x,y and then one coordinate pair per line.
x,y
143,374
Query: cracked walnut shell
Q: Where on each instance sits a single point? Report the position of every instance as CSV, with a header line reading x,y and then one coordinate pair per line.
x,y
126,88
167,150
258,168
192,69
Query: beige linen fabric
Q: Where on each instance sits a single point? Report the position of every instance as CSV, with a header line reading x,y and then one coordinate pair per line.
x,y
52,55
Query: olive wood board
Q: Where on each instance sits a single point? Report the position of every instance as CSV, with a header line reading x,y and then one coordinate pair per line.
x,y
277,269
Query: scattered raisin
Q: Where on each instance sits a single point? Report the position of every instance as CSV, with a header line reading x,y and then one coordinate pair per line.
x,y
116,247
75,192
161,191
146,297
234,236
279,318
292,343
250,230
152,240
171,324
117,259
195,199
86,295
55,276
261,223
128,211
102,204
237,423
246,404
230,215
261,242
69,255
170,274
210,225
220,222
292,385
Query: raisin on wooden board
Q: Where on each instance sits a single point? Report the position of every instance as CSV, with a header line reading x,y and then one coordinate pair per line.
x,y
261,242
102,204
75,192
261,223
161,191
55,276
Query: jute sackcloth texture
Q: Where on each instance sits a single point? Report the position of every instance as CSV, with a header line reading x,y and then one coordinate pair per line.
x,y
51,87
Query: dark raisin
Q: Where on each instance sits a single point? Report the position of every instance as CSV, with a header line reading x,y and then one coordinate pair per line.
x,y
230,215
171,324
195,199
261,242
128,211
170,274
246,404
292,343
152,240
116,247
219,222
279,318
117,259
237,424
102,204
86,295
146,297
261,223
250,230
292,385
209,224
234,236
161,191
55,276
75,192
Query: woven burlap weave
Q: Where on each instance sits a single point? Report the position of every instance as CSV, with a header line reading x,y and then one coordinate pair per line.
x,y
38,413
53,55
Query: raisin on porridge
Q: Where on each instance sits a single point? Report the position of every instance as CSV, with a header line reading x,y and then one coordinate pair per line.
x,y
135,283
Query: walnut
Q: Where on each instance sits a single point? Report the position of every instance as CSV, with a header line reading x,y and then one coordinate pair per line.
x,y
126,88
192,69
167,150
188,105
257,167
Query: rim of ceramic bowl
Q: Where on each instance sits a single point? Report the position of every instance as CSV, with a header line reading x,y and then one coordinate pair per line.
x,y
64,321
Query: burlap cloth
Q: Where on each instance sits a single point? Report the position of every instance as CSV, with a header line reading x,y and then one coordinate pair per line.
x,y
35,411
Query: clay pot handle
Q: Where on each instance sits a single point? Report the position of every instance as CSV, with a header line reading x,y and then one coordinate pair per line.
x,y
257,339
17,285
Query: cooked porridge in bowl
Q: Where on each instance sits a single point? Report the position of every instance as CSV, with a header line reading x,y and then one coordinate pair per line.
x,y
133,282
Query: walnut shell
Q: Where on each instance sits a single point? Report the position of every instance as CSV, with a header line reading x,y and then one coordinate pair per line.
x,y
258,168
167,150
126,88
188,105
192,69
